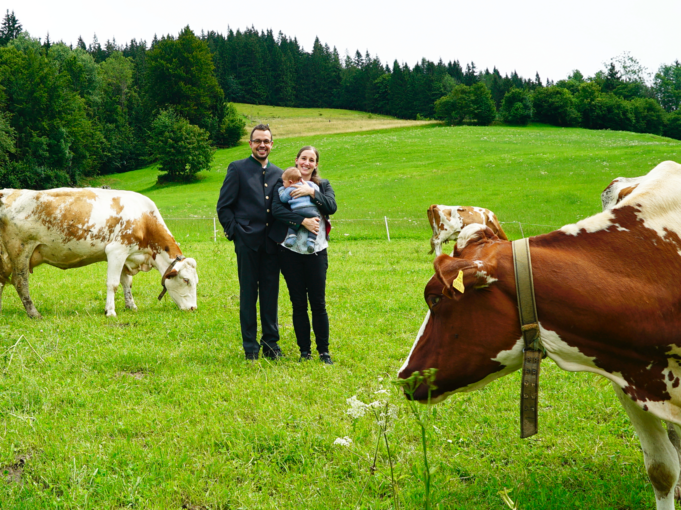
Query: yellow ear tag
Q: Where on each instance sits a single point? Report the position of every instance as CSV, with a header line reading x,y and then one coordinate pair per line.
x,y
458,283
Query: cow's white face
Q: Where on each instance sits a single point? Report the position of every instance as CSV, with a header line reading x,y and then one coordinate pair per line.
x,y
181,284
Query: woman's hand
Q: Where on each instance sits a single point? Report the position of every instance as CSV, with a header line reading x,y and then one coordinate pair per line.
x,y
302,190
312,224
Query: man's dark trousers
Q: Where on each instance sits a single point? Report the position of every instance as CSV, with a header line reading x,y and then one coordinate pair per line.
x,y
258,274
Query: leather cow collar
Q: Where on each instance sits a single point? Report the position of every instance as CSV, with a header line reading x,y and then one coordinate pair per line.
x,y
165,275
529,325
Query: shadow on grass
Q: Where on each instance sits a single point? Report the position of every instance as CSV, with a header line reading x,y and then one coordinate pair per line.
x,y
161,183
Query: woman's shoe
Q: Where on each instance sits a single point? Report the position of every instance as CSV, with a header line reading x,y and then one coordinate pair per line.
x,y
325,357
305,356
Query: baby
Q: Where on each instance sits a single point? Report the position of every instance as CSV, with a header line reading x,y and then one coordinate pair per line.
x,y
301,205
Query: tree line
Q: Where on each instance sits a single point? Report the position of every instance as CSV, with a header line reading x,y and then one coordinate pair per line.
x,y
68,112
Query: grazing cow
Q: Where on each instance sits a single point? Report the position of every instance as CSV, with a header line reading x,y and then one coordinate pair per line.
x,y
608,302
447,222
618,189
69,227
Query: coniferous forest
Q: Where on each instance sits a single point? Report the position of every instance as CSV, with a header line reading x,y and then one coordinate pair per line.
x,y
68,112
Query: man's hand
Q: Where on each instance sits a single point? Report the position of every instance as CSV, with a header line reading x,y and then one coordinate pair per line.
x,y
312,224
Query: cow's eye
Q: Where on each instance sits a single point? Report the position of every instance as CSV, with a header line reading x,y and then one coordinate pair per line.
x,y
186,280
433,300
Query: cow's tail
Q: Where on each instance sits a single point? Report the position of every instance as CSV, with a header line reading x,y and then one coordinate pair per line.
x,y
431,220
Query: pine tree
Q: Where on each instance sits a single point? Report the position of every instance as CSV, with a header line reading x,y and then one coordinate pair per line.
x,y
470,77
10,28
180,73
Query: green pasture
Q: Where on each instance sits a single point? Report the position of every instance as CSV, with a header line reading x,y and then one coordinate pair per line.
x,y
157,409
260,111
539,176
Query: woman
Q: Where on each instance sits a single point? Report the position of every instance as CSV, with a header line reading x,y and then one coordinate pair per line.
x,y
305,273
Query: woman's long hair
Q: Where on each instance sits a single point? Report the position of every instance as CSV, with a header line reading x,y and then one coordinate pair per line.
x,y
315,177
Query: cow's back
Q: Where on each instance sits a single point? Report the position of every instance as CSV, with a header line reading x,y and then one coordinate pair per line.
x,y
73,226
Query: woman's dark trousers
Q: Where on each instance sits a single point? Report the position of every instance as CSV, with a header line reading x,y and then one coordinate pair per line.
x,y
305,277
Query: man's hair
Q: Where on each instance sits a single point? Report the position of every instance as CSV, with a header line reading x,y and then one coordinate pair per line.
x,y
261,127
291,174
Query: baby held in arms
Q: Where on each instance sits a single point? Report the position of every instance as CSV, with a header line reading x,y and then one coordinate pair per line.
x,y
301,205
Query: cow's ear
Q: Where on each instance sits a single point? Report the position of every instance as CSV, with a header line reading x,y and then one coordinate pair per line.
x,y
172,274
460,275
473,233
455,274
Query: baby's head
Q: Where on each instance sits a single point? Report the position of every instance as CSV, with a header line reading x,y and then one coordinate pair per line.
x,y
291,176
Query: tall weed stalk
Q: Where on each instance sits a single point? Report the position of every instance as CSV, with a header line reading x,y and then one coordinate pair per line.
x,y
409,386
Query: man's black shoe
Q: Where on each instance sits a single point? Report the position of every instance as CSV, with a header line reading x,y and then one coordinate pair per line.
x,y
325,357
251,356
273,354
305,356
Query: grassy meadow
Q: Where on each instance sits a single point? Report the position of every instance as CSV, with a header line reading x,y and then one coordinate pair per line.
x,y
295,122
158,409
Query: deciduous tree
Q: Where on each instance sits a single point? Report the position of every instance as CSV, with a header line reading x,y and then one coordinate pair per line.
x,y
516,108
180,148
667,86
555,105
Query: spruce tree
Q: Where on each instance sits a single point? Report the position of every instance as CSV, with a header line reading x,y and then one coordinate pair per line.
x,y
10,28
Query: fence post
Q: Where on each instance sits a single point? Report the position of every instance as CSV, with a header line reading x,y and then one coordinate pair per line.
x,y
386,227
215,231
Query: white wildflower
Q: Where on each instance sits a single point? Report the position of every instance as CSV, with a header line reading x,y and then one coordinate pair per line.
x,y
381,391
343,441
387,417
357,407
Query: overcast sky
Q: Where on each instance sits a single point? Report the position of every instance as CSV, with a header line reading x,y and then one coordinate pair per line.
x,y
528,36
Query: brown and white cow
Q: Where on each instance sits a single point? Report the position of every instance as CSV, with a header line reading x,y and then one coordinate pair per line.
x,y
447,222
74,227
608,302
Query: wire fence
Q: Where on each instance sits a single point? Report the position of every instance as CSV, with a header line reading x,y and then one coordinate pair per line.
x,y
380,228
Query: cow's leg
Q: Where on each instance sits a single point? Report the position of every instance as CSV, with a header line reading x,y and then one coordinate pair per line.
x,y
20,265
438,240
115,257
2,288
661,459
126,281
674,434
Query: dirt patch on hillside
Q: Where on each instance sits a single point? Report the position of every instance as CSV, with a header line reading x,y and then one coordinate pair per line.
x,y
14,472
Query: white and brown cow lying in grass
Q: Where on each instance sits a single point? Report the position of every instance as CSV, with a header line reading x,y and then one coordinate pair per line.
x,y
447,222
608,302
71,227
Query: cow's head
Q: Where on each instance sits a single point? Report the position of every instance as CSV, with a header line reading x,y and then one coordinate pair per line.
x,y
470,337
181,282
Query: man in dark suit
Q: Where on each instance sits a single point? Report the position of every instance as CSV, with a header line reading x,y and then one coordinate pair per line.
x,y
245,212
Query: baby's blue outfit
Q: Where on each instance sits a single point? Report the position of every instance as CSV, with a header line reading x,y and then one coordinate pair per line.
x,y
303,206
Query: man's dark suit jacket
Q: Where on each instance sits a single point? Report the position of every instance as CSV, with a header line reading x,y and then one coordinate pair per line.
x,y
245,203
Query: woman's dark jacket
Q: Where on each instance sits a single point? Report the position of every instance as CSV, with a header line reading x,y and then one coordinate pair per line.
x,y
325,201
